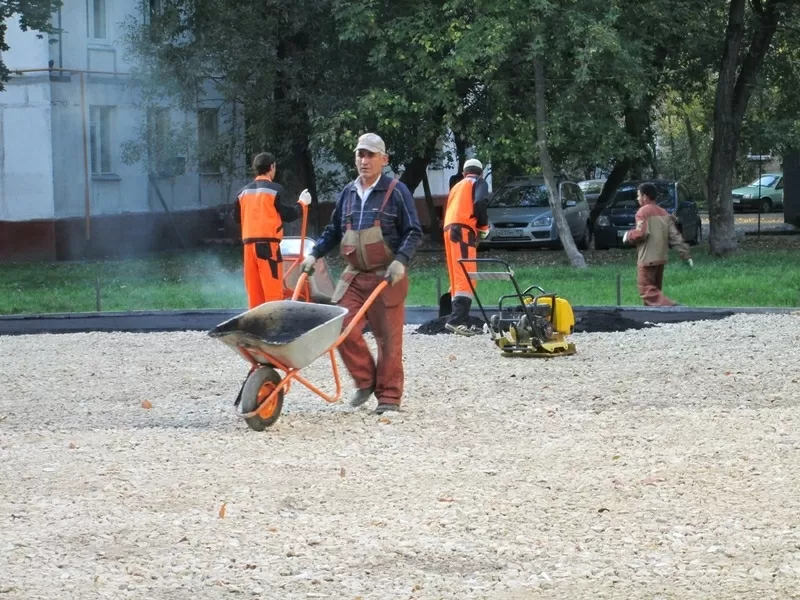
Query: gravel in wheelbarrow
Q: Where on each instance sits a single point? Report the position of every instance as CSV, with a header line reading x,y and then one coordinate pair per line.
x,y
296,333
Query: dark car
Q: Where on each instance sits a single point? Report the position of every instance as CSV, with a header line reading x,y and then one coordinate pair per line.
x,y
618,216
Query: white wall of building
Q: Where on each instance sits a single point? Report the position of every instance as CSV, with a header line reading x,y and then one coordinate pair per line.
x,y
42,125
26,165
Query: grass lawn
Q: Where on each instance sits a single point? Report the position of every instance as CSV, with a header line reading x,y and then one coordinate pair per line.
x,y
765,272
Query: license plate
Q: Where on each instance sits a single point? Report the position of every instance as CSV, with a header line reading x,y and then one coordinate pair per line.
x,y
508,232
736,201
620,234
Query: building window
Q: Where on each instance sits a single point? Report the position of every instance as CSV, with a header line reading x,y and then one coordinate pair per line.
x,y
100,138
207,135
152,10
97,19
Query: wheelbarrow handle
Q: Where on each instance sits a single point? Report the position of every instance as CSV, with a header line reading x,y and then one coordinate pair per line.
x,y
298,288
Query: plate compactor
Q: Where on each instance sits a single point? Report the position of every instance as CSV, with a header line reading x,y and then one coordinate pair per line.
x,y
530,322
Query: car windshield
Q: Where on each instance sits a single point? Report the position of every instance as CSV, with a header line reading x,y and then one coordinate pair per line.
x,y
766,181
591,187
533,196
626,196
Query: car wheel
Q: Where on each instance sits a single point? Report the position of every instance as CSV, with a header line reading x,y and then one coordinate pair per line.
x,y
766,205
583,242
697,233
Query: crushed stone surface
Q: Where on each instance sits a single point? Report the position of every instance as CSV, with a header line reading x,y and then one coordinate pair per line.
x,y
662,463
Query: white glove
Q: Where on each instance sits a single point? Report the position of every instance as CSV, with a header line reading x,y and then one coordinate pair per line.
x,y
305,197
690,263
625,237
308,263
395,271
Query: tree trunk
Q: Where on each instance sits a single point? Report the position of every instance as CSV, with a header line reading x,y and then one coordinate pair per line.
x,y
637,123
695,154
564,233
618,174
437,235
733,95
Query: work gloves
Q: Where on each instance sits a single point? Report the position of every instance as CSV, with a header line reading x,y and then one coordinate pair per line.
x,y
483,234
395,271
625,237
689,263
307,266
305,198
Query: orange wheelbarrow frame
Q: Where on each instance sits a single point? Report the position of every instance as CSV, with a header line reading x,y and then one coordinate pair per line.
x,y
267,405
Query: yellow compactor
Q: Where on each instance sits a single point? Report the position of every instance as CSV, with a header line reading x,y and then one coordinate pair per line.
x,y
530,322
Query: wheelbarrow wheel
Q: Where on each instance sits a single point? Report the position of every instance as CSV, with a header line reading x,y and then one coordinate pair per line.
x,y
258,387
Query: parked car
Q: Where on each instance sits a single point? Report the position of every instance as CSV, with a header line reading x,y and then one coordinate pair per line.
x,y
618,216
591,189
520,215
765,198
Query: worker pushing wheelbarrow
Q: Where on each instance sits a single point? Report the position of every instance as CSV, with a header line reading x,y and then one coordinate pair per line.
x,y
285,336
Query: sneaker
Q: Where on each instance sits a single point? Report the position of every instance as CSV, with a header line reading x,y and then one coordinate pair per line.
x,y
461,329
383,407
360,396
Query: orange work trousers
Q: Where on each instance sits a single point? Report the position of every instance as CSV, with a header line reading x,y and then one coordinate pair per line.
x,y
460,242
650,280
263,272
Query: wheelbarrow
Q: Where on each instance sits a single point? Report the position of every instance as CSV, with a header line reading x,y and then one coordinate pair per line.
x,y
285,336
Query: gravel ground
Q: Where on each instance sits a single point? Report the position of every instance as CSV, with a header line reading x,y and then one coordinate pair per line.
x,y
676,476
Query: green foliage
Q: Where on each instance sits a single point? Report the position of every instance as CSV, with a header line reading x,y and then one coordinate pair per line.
x,y
32,14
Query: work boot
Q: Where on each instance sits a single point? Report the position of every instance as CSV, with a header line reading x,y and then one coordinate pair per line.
x,y
384,407
461,330
360,396
458,322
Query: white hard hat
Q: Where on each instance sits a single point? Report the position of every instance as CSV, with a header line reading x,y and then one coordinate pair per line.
x,y
473,162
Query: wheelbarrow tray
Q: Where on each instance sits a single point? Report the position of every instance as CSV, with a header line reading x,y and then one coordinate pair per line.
x,y
294,333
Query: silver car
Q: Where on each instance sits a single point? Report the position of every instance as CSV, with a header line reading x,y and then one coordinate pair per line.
x,y
520,215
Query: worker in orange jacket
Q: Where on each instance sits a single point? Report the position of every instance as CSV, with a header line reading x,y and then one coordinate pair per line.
x,y
262,214
465,222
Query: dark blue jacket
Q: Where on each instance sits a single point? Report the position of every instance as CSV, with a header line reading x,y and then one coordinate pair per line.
x,y
399,221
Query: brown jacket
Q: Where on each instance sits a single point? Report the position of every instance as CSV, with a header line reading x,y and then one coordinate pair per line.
x,y
655,234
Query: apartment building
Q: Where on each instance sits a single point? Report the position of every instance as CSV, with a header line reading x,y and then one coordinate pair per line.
x,y
66,120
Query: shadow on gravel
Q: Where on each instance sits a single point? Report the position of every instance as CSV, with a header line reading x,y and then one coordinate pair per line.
x,y
597,321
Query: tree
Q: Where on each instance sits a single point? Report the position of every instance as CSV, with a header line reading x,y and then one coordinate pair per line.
x,y
564,233
738,73
32,14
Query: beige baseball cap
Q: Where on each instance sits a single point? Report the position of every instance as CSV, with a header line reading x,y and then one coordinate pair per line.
x,y
371,142
473,162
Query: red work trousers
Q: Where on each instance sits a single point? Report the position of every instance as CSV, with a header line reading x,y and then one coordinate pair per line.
x,y
385,317
263,277
650,280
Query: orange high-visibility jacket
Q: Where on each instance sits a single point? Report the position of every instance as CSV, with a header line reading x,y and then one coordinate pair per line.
x,y
261,213
466,204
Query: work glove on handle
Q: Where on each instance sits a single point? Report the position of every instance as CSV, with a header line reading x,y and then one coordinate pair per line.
x,y
689,263
307,265
395,272
483,234
625,237
305,198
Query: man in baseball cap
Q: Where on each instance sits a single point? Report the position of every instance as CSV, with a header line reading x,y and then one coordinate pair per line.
x,y
376,227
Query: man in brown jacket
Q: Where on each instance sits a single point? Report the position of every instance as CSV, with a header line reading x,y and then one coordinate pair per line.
x,y
654,235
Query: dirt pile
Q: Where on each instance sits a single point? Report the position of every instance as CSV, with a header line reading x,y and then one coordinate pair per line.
x,y
606,321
